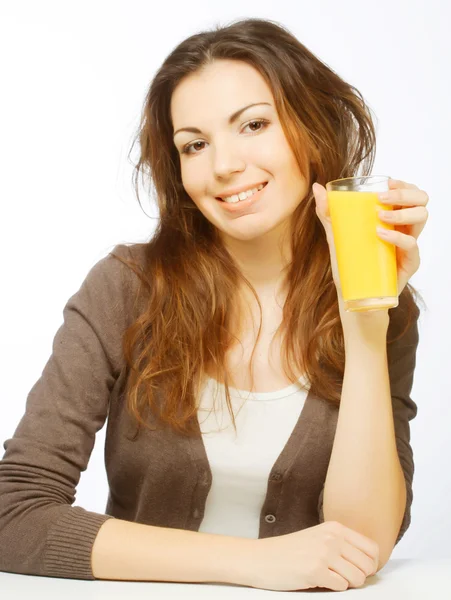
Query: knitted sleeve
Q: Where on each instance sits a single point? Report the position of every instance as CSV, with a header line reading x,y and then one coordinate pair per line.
x,y
41,533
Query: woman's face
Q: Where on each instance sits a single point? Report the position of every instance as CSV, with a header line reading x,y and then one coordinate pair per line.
x,y
241,154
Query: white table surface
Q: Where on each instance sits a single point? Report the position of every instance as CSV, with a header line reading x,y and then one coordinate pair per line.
x,y
400,579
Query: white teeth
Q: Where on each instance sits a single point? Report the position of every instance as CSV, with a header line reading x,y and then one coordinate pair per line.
x,y
243,195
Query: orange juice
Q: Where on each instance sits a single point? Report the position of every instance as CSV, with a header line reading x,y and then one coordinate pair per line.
x,y
366,263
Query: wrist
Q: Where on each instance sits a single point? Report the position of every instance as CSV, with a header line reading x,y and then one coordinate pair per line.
x,y
373,323
370,328
232,563
365,334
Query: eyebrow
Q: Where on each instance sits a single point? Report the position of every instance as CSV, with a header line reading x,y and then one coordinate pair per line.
x,y
232,118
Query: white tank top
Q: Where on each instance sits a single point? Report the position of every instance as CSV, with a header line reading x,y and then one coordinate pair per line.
x,y
241,464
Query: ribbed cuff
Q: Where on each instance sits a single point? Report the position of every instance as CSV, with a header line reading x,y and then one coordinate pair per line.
x,y
69,544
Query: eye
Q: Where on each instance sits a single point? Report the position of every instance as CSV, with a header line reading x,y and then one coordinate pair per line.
x,y
262,122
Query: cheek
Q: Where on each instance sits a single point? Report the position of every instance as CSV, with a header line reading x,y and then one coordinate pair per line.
x,y
192,182
284,167
287,166
275,154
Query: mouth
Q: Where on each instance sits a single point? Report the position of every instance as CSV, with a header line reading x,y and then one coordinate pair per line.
x,y
265,183
243,206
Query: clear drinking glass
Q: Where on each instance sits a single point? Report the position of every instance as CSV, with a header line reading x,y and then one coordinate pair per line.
x,y
366,264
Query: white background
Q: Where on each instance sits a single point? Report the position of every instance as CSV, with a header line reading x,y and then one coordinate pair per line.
x,y
73,79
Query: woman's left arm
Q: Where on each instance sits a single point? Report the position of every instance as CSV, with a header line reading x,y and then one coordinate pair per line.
x,y
368,485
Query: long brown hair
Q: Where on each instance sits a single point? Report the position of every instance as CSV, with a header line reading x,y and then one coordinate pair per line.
x,y
189,279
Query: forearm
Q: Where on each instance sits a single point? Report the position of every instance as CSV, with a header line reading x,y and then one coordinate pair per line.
x,y
365,486
125,550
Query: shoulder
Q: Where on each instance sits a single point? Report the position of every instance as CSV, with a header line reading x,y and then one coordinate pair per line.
x,y
111,284
117,268
115,261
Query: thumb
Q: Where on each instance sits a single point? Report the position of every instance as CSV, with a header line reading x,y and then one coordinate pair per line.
x,y
322,207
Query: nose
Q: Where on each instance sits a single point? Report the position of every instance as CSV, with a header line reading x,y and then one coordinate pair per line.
x,y
226,160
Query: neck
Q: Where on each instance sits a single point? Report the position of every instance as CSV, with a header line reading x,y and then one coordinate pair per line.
x,y
264,261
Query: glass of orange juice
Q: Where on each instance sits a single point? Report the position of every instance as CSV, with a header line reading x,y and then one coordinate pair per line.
x,y
366,264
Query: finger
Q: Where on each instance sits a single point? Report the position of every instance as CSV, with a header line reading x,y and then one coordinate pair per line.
x,y
398,183
334,581
402,240
322,206
411,220
353,575
359,559
404,197
363,543
405,216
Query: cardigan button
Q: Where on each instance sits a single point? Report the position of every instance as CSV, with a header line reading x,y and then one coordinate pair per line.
x,y
276,476
196,513
270,518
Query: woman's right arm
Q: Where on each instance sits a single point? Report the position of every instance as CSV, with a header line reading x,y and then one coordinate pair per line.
x,y
41,533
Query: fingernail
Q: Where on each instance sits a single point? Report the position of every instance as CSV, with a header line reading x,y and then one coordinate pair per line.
x,y
383,196
382,232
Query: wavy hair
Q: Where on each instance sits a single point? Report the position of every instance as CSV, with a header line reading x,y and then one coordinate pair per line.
x,y
189,279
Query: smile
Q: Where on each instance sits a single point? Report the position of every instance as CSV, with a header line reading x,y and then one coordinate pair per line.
x,y
243,195
243,206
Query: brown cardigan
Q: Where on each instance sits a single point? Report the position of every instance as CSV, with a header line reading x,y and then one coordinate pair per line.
x,y
161,478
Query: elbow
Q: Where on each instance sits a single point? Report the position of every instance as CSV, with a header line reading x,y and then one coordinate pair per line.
x,y
384,557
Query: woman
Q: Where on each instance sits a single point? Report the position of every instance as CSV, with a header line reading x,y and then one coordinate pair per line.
x,y
315,488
